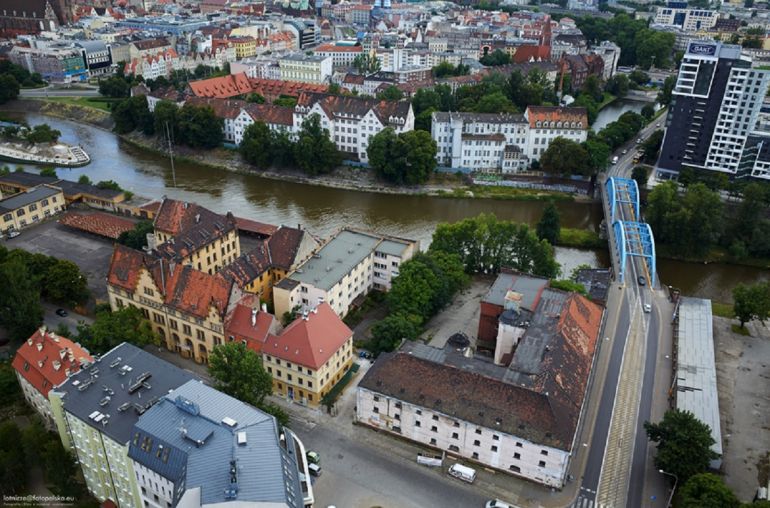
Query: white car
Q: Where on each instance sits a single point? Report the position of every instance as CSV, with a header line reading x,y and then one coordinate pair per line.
x,y
647,308
625,151
13,234
496,503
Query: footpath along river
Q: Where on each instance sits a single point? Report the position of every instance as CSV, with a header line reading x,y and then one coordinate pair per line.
x,y
322,210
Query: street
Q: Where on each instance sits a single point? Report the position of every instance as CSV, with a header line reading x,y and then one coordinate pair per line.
x,y
71,320
53,91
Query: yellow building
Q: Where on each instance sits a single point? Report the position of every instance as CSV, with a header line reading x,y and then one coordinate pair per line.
x,y
189,234
244,47
26,208
310,356
264,266
185,306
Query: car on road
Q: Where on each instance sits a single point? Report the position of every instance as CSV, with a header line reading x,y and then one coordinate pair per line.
x,y
642,281
639,141
647,308
657,124
364,354
61,312
315,469
615,160
496,503
13,234
313,457
625,151
464,473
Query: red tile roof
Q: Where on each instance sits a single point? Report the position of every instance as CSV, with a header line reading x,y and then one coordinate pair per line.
x,y
271,115
283,246
46,359
98,223
556,114
125,267
252,226
248,322
310,341
333,48
222,87
530,53
176,216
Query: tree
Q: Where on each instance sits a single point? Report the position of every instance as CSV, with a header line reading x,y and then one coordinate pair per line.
x,y
61,469
617,85
706,490
10,391
334,89
84,180
495,103
13,470
640,174
238,371
115,87
664,96
42,133
165,114
314,152
64,283
366,63
648,111
598,155
388,333
256,98
392,93
568,285
20,310
131,114
199,126
137,237
407,158
112,328
255,146
495,58
485,244
549,226
445,69
639,77
651,146
592,87
565,157
48,171
751,302
684,444
9,88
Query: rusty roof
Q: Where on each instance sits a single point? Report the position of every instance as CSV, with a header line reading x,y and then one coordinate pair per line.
x,y
271,115
175,216
222,87
247,267
555,114
98,223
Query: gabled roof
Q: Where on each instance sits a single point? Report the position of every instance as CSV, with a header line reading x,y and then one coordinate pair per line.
x,y
270,114
98,223
223,108
333,48
284,245
556,114
246,321
310,341
531,53
248,266
46,359
151,43
334,105
176,216
252,226
222,87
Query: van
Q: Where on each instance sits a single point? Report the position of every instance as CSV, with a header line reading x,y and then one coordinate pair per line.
x,y
463,473
315,469
615,160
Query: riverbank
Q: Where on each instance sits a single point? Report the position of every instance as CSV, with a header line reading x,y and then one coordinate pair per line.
x,y
716,255
344,178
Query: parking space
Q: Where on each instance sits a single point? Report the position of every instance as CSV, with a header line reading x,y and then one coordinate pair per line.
x,y
91,253
462,315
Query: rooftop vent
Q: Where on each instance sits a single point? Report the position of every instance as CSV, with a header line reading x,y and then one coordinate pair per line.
x,y
115,362
229,422
187,405
241,438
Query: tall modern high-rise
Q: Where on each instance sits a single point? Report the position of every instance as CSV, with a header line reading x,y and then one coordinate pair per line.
x,y
713,110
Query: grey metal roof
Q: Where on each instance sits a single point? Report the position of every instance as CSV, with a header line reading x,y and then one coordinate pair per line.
x,y
25,179
392,247
529,286
190,420
109,381
696,375
442,116
25,198
336,259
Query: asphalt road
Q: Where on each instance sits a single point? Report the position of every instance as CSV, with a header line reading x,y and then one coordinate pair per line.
x,y
626,161
52,320
358,475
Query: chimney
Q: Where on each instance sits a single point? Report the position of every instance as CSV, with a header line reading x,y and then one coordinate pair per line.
x,y
253,317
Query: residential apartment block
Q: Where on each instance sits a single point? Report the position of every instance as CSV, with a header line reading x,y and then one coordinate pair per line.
x,y
29,207
342,55
503,142
197,447
342,271
305,68
95,411
518,413
44,361
309,356
688,19
714,110
74,192
352,121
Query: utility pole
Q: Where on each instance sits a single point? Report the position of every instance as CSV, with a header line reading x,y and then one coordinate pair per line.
x,y
171,154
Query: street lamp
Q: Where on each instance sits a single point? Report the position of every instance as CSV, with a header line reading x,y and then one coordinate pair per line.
x,y
673,489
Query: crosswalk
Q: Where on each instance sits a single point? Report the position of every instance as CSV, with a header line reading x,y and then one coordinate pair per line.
x,y
587,499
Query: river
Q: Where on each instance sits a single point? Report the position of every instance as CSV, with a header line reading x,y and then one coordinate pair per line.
x,y
613,110
323,210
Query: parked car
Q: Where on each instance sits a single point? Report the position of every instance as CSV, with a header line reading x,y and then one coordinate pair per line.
x,y
625,151
639,141
315,469
61,312
313,457
13,234
496,503
364,354
464,473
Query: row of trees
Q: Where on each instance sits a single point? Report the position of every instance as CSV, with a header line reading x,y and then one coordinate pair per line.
x,y
313,151
25,278
692,221
446,69
13,77
41,133
406,158
640,45
425,285
119,85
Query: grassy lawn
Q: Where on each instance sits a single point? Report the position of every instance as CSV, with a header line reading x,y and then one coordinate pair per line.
x,y
581,238
724,310
741,331
99,103
608,98
500,192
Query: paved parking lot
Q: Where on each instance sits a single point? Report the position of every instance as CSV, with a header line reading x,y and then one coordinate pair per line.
x,y
462,315
92,254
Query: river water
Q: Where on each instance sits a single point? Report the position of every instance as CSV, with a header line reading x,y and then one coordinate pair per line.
x,y
323,210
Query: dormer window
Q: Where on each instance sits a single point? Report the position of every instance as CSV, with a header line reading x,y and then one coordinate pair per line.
x,y
580,125
538,124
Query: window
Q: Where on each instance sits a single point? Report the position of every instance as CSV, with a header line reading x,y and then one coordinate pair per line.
x,y
376,409
148,292
419,411
288,377
417,423
476,443
454,448
376,398
455,435
495,437
518,445
201,335
33,207
433,440
517,455
515,469
475,455
455,424
478,431
435,418
494,448
434,429
544,452
541,463
186,329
